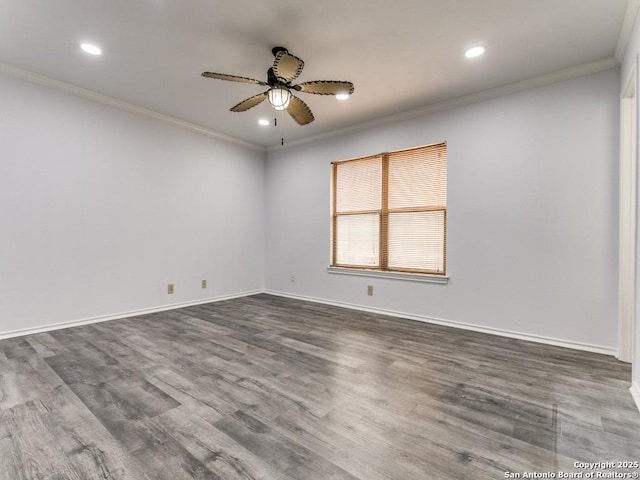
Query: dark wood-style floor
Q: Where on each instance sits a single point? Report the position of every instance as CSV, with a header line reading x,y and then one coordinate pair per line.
x,y
264,387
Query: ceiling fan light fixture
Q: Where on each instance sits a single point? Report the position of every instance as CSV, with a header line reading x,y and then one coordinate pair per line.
x,y
342,96
279,98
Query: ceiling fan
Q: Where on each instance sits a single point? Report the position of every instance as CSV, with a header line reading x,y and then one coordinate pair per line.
x,y
286,68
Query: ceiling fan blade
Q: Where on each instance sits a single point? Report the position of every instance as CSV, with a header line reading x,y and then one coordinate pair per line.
x,y
299,111
233,78
287,66
249,102
325,87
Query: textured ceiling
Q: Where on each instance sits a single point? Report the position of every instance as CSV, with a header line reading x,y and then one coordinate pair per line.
x,y
400,55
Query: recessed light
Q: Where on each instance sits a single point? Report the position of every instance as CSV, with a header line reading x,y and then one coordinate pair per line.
x,y
92,49
342,96
474,52
263,122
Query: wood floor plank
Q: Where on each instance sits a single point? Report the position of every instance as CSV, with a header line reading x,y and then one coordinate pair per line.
x,y
222,455
198,396
358,460
296,461
16,347
33,450
80,435
45,345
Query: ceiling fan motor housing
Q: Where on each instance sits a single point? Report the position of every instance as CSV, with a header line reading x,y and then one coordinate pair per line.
x,y
276,50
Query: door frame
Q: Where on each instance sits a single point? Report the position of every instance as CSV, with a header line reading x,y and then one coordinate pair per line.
x,y
628,220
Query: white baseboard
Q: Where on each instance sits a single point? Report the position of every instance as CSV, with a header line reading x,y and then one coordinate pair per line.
x,y
635,393
465,326
397,314
132,313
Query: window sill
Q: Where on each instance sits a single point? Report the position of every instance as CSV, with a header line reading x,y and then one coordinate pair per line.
x,y
411,277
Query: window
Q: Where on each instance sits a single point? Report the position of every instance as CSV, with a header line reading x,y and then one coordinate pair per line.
x,y
389,211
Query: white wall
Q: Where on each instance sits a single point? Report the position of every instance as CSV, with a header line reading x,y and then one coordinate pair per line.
x,y
532,219
100,209
628,68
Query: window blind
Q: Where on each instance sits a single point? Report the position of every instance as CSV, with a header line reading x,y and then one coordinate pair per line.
x,y
390,211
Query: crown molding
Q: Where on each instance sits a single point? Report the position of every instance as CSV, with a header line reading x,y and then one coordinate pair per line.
x,y
539,81
627,27
122,105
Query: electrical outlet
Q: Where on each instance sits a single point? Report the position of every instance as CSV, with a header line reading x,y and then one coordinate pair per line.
x,y
292,277
370,290
204,284
170,288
